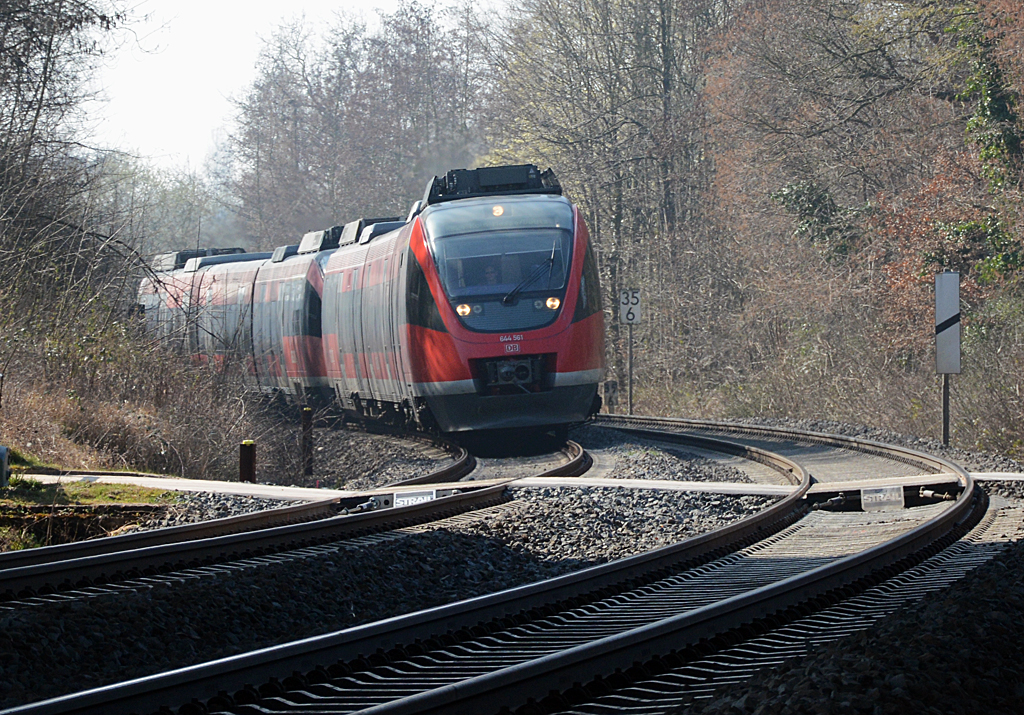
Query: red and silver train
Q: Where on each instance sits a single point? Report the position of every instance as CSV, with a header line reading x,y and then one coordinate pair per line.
x,y
482,310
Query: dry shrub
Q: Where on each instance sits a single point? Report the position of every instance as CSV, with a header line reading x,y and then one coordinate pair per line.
x,y
115,401
31,423
840,370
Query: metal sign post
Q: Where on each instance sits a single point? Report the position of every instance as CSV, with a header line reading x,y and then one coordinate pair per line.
x,y
629,314
947,337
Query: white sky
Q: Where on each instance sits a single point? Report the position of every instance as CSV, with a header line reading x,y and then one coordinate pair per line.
x,y
169,89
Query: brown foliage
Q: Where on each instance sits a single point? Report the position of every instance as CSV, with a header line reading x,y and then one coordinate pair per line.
x,y
1004,21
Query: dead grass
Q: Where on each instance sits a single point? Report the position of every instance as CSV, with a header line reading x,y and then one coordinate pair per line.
x,y
144,409
28,491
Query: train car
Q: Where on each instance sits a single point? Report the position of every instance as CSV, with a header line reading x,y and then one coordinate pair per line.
x,y
220,325
170,295
481,312
286,315
259,310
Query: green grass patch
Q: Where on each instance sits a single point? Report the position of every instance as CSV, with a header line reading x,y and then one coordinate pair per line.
x,y
12,539
23,461
25,490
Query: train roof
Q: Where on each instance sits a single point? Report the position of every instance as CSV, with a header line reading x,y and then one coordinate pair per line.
x,y
194,264
283,252
490,181
176,260
376,229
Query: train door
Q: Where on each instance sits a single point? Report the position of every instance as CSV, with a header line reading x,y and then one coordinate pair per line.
x,y
387,349
341,324
267,333
376,319
333,297
259,309
247,299
370,322
358,346
281,289
400,317
393,356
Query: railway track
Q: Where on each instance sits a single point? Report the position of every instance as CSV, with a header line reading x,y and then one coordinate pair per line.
x,y
112,564
577,635
462,464
96,563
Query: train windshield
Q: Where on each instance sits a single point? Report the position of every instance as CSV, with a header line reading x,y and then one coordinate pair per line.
x,y
504,247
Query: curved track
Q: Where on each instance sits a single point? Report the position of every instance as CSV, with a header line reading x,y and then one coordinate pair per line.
x,y
523,643
92,567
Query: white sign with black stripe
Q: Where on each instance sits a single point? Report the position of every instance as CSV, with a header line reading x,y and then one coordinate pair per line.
x,y
947,323
417,497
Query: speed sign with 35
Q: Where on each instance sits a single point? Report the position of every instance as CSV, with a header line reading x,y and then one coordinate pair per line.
x,y
629,306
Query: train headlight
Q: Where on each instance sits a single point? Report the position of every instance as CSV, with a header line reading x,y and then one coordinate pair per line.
x,y
552,303
538,304
463,310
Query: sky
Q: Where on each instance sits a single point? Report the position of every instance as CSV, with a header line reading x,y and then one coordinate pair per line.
x,y
168,86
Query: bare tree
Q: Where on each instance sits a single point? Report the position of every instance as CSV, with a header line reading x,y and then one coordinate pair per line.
x,y
342,122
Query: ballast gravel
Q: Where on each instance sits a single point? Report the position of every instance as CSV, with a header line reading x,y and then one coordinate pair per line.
x,y
972,461
347,458
64,647
192,507
639,458
956,651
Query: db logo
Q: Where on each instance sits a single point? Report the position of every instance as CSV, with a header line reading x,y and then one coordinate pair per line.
x,y
511,347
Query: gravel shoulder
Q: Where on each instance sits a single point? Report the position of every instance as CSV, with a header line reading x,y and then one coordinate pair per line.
x,y
348,458
638,458
64,647
957,651
193,507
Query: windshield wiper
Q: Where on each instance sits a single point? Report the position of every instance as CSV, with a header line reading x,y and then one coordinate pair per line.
x,y
511,296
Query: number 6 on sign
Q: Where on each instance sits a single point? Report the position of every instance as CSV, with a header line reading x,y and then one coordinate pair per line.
x,y
629,307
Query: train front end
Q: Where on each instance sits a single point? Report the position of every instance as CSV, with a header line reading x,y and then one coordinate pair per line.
x,y
517,340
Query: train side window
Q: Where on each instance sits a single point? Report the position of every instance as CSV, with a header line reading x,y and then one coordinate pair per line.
x,y
313,305
420,305
590,288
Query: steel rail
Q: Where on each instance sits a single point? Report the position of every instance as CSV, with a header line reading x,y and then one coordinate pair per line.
x,y
162,557
204,681
906,455
463,465
669,681
579,462
268,518
174,534
533,680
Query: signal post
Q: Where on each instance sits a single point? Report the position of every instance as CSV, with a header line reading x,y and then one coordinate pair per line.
x,y
629,314
947,337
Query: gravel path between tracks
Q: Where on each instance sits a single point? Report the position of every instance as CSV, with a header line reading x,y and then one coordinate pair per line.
x,y
64,647
638,458
348,458
913,662
970,460
191,507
